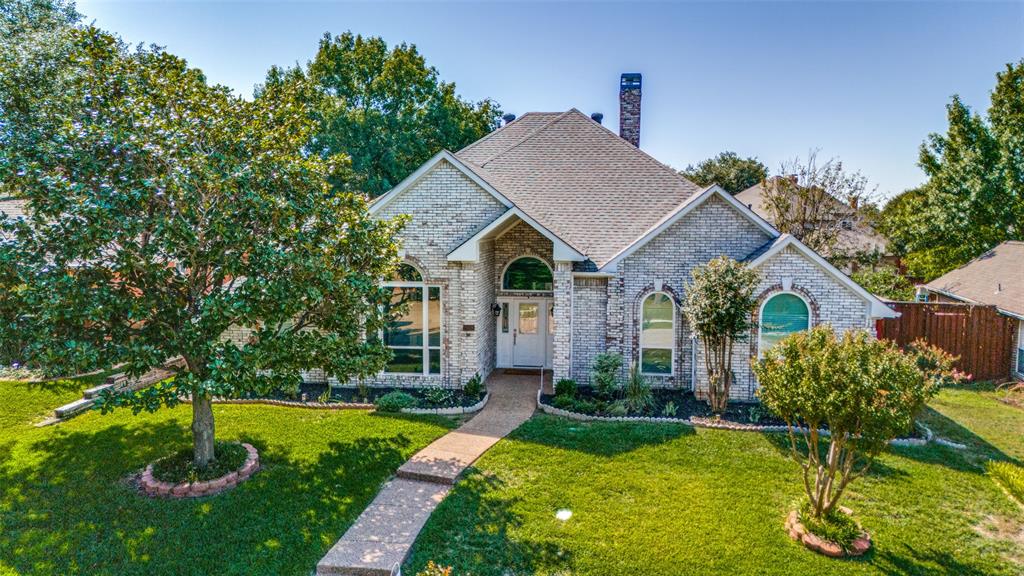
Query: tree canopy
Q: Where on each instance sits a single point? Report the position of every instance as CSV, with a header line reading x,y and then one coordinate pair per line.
x,y
165,211
729,171
974,196
384,108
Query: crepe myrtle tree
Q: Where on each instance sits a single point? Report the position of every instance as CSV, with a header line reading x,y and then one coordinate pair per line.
x,y
866,391
718,306
165,210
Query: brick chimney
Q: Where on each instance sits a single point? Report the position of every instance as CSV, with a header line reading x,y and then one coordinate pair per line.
x,y
629,108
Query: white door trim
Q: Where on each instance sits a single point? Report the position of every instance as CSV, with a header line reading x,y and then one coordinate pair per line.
x,y
506,341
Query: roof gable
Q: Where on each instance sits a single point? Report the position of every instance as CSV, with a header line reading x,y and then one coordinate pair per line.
x,y
422,171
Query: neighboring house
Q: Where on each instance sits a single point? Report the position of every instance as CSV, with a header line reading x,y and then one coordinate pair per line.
x,y
552,240
855,239
995,278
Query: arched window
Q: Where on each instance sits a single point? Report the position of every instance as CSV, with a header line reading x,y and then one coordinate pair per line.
x,y
413,331
657,334
527,274
782,315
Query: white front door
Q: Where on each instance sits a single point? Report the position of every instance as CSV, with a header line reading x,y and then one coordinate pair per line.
x,y
525,335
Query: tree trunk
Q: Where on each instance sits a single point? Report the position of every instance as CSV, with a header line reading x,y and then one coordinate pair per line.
x,y
202,430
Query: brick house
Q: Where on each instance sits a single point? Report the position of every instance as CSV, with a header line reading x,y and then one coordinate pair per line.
x,y
553,239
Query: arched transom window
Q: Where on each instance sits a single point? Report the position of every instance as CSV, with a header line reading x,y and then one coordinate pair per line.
x,y
527,274
657,334
782,315
413,333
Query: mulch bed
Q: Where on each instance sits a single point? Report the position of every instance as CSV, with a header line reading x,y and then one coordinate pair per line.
x,y
313,392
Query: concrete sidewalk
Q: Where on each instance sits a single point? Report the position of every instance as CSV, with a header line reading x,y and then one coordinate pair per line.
x,y
384,533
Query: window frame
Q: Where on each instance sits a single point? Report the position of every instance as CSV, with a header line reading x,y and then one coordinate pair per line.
x,y
640,337
504,271
760,316
426,347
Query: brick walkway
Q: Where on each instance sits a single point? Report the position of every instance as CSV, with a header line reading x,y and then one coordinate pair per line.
x,y
384,533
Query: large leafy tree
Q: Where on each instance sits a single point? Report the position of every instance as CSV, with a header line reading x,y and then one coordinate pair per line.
x,y
974,196
729,171
164,211
384,108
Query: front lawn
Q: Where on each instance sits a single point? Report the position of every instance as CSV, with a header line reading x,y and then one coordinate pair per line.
x,y
65,507
669,499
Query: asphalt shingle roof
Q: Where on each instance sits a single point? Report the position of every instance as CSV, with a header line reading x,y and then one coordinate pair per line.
x,y
995,278
578,179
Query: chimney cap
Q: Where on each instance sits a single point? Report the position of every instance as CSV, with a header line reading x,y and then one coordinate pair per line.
x,y
630,80
508,117
597,117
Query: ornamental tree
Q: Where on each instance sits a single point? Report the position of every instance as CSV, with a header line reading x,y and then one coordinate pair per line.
x,y
865,391
165,210
729,171
719,304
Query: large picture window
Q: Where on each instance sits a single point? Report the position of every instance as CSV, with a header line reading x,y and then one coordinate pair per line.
x,y
414,331
528,275
657,334
782,315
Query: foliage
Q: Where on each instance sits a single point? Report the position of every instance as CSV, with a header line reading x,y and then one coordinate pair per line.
x,y
605,374
756,413
564,402
670,409
866,391
718,307
834,526
566,387
1009,475
438,396
974,196
729,171
395,402
637,392
383,107
166,210
324,396
618,409
180,466
815,202
886,282
936,364
433,569
474,387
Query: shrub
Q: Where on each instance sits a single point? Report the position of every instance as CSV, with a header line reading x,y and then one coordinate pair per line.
x,y
756,413
324,396
638,397
437,396
395,402
584,406
1010,476
833,526
566,387
669,409
718,308
474,387
865,390
618,408
362,390
936,363
606,373
564,403
435,570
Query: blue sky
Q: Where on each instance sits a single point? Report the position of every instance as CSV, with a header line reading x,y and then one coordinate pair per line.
x,y
865,82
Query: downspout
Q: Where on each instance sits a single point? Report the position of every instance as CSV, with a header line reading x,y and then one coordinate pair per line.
x,y
693,363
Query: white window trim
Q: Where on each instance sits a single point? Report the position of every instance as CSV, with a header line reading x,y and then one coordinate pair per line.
x,y
640,355
760,315
425,347
501,279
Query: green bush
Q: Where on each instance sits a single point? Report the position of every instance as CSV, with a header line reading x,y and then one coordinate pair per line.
x,y
638,396
566,387
437,396
395,402
833,526
1010,476
669,409
605,374
475,387
564,403
618,408
584,406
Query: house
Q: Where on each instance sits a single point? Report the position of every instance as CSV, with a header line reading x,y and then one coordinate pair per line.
x,y
995,278
856,241
553,239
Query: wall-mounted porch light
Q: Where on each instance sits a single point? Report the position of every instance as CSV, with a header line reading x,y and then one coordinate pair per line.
x,y
496,310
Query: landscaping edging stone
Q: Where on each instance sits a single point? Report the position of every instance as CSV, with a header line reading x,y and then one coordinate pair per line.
x,y
800,534
699,422
292,403
150,486
452,411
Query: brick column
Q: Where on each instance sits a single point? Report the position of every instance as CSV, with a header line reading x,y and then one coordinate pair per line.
x,y
562,352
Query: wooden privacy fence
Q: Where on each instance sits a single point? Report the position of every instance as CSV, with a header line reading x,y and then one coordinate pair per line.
x,y
979,335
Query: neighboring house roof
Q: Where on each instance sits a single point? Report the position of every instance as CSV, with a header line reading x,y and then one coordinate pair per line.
x,y
995,278
579,180
14,207
861,238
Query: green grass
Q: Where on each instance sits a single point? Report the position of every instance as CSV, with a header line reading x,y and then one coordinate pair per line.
x,y
66,507
672,500
992,429
1010,476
